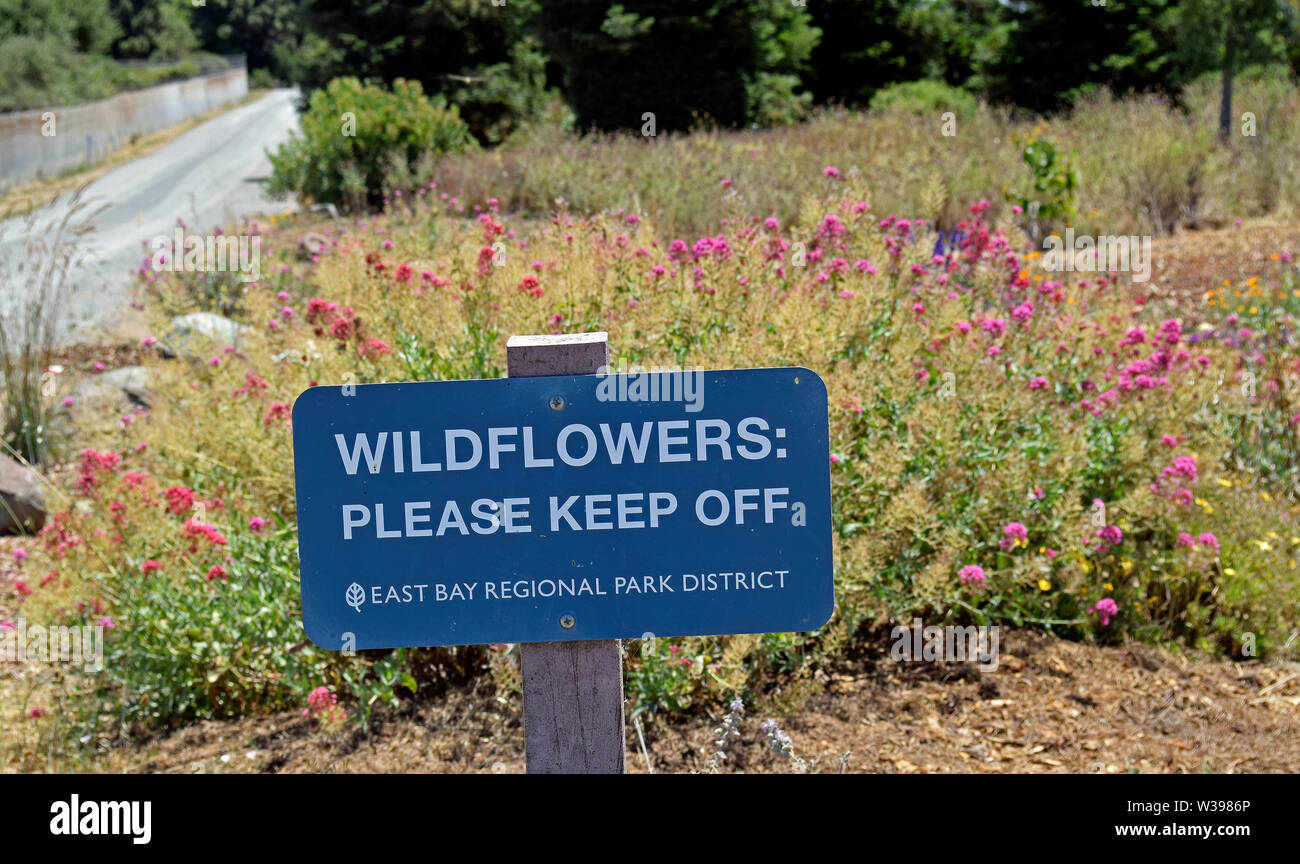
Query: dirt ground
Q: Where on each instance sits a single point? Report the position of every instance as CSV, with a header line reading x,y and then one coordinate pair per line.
x,y
1051,707
1189,263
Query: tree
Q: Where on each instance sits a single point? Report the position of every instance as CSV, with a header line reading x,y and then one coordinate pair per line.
x,y
84,26
721,62
1228,35
158,29
1058,50
958,38
869,44
471,48
250,27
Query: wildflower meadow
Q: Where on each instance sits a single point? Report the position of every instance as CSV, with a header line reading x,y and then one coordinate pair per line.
x,y
1009,445
1054,298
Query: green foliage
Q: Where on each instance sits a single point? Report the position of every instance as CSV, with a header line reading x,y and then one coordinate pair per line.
x,y
1230,34
260,79
377,681
724,62
1058,50
255,28
54,52
83,26
772,100
663,677
154,29
496,100
37,72
353,133
193,647
783,653
474,53
51,53
910,40
689,62
190,647
1052,197
924,97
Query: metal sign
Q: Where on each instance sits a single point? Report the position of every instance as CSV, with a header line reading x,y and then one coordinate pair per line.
x,y
561,508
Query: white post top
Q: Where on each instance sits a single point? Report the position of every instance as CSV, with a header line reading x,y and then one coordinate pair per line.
x,y
536,341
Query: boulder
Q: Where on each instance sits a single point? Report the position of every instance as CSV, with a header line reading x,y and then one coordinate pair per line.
x,y
22,503
198,332
127,387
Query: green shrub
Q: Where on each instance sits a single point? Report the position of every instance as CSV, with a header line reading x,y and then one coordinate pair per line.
x,y
261,79
924,97
772,100
664,676
39,72
360,130
198,647
498,99
1052,200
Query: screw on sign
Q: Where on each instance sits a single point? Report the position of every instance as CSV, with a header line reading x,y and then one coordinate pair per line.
x,y
564,508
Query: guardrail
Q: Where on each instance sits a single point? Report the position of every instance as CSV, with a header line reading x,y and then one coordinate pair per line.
x,y
50,141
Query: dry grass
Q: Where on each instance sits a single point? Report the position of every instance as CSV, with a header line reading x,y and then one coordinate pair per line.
x,y
1143,166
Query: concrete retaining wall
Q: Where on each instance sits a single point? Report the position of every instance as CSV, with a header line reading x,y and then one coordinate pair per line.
x,y
87,133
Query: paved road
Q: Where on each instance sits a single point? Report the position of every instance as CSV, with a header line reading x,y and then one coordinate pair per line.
x,y
209,176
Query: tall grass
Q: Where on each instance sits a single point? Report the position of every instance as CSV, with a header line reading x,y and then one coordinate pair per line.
x,y
34,293
1146,166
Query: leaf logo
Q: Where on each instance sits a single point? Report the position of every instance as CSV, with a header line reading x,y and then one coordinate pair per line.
x,y
355,596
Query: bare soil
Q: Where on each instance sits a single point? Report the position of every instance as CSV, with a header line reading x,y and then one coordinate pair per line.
x,y
1190,263
1052,706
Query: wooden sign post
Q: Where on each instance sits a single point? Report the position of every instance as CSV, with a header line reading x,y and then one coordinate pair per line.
x,y
573,691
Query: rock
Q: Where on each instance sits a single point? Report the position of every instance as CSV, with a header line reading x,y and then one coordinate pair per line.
x,y
127,387
198,331
22,503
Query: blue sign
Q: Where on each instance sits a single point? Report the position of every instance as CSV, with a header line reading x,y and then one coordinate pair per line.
x,y
561,508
